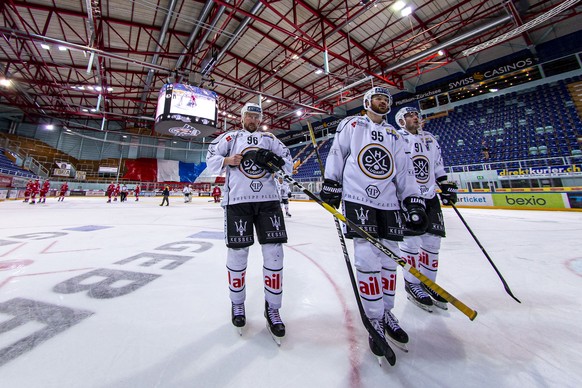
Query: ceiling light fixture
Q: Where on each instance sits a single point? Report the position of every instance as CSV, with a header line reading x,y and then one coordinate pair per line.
x,y
406,11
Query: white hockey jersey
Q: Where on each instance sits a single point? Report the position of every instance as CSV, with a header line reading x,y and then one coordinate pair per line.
x,y
246,182
372,163
426,159
283,189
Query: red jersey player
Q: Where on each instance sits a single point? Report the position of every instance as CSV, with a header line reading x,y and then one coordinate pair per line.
x,y
46,185
63,191
34,189
27,190
109,192
216,193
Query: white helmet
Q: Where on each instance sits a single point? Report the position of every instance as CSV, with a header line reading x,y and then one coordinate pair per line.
x,y
403,112
372,92
251,108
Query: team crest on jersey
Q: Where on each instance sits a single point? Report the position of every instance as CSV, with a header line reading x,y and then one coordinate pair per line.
x,y
376,161
249,168
421,168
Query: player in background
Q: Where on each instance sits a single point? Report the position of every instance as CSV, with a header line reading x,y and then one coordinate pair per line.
x,y
251,200
216,193
421,251
187,191
63,191
137,190
34,189
46,185
369,172
123,193
284,193
28,190
116,191
109,192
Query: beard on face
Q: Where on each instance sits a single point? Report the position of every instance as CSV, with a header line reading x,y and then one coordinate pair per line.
x,y
379,110
251,127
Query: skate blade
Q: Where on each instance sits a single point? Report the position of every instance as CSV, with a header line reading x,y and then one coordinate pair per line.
x,y
399,345
379,358
275,338
422,306
440,305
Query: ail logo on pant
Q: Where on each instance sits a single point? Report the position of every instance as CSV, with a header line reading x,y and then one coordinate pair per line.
x,y
370,288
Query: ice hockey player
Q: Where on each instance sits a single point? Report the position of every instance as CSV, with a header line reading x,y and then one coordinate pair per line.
x,y
187,191
28,190
251,200
34,189
421,250
46,185
369,169
216,193
136,191
110,191
63,191
284,192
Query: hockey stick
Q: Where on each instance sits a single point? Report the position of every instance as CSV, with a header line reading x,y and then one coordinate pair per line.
x,y
471,314
507,289
378,340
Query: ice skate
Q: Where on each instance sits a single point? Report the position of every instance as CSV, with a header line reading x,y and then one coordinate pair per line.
x,y
238,316
378,324
394,332
417,296
274,324
288,214
437,300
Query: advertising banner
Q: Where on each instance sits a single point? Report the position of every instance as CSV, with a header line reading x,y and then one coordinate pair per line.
x,y
540,172
531,200
61,172
474,199
5,181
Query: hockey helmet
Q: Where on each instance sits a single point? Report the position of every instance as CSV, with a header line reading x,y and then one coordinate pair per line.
x,y
374,91
402,113
250,107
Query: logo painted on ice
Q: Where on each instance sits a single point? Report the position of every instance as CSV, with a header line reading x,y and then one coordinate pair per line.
x,y
241,226
376,162
421,168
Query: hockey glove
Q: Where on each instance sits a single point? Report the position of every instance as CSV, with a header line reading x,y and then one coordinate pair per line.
x,y
268,160
331,193
448,193
416,218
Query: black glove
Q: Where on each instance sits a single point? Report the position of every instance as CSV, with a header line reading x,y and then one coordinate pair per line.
x,y
331,193
289,194
416,218
268,160
448,193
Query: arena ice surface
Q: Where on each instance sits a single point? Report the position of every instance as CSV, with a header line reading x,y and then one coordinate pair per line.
x,y
174,329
